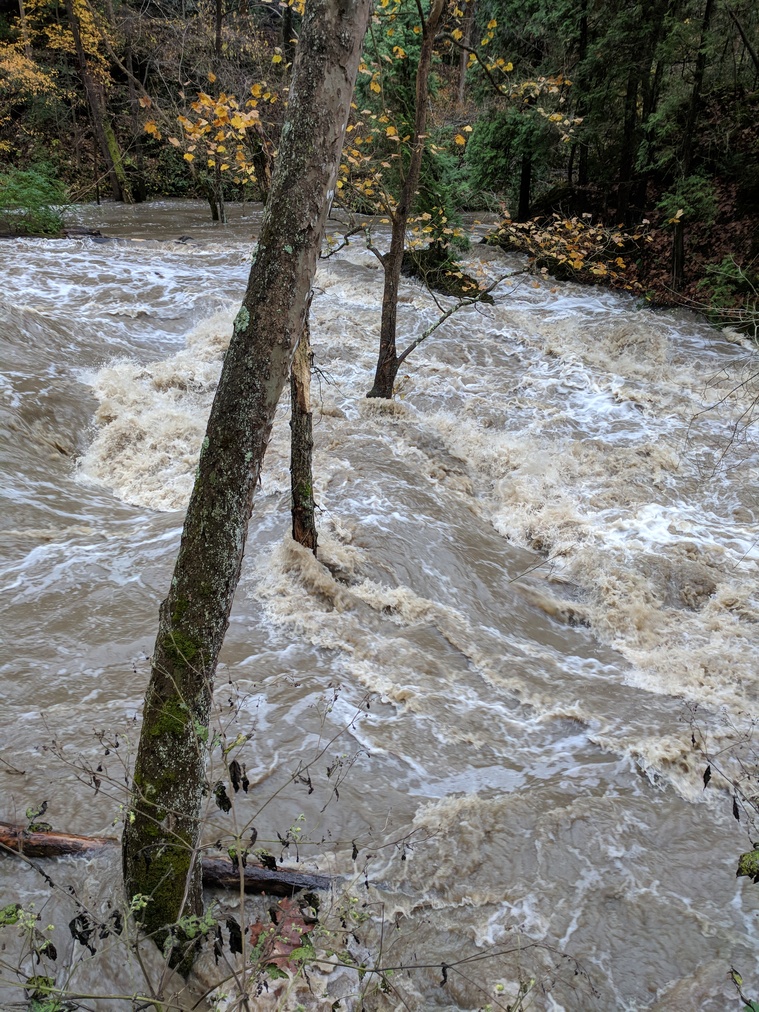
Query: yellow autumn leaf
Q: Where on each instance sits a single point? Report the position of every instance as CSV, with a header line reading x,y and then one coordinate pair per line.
x,y
224,166
492,24
391,131
256,90
457,34
145,102
174,141
460,140
276,58
211,76
188,157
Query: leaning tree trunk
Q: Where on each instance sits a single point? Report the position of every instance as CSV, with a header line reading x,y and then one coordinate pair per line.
x,y
302,445
104,133
387,360
161,830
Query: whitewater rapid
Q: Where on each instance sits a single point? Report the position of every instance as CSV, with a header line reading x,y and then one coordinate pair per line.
x,y
537,578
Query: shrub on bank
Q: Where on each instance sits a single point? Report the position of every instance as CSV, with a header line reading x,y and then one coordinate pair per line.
x,y
31,203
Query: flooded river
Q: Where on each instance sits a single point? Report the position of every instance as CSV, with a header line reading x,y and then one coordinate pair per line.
x,y
537,580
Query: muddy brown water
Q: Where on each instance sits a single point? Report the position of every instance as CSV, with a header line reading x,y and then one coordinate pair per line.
x,y
535,566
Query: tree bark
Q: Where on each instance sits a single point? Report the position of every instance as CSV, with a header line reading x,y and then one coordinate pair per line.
x,y
525,188
218,873
104,134
387,360
302,446
686,155
24,30
467,25
161,832
628,148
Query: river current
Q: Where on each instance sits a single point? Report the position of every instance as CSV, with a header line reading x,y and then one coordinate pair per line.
x,y
536,584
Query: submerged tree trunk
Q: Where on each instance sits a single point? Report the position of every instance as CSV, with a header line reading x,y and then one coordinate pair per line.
x,y
302,445
161,830
387,360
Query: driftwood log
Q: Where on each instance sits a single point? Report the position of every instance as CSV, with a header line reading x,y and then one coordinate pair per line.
x,y
218,873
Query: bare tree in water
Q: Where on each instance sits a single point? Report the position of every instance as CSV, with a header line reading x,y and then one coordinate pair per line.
x,y
388,361
161,832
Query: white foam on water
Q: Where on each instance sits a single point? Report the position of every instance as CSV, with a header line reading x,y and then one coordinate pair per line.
x,y
582,431
581,427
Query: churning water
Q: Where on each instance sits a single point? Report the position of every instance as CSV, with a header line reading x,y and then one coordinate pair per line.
x,y
537,576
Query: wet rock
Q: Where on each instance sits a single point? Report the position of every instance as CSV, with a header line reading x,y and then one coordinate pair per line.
x,y
82,232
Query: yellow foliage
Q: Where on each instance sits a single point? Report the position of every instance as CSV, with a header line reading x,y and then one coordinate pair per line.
x,y
573,244
21,75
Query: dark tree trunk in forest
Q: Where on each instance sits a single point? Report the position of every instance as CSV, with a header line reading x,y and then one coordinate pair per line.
x,y
525,188
629,145
387,360
104,134
582,162
219,12
162,826
686,156
302,445
139,190
288,34
466,41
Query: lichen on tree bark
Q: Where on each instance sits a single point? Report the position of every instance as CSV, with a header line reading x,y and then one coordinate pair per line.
x,y
161,832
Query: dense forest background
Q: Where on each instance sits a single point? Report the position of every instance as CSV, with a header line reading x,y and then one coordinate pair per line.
x,y
619,141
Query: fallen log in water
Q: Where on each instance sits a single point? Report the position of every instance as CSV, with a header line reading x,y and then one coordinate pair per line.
x,y
35,843
218,873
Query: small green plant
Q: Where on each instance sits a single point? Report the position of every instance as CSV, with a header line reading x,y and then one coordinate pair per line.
x,y
691,199
31,203
731,291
